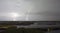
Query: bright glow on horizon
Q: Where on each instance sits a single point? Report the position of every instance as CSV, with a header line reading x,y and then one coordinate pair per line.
x,y
14,15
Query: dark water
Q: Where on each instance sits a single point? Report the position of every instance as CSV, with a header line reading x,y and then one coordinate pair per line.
x,y
1,30
55,31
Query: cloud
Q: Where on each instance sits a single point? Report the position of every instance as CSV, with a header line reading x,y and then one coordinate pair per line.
x,y
34,10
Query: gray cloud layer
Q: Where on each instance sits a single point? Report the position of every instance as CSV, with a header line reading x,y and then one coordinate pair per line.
x,y
30,10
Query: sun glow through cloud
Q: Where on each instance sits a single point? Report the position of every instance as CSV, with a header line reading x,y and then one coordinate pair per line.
x,y
14,15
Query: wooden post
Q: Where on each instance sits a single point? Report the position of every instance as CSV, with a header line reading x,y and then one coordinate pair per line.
x,y
49,29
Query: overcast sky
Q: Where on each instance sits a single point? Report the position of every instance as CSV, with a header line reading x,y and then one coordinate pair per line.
x,y
29,10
